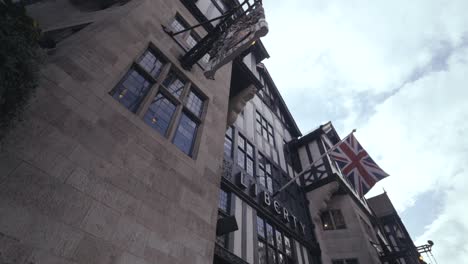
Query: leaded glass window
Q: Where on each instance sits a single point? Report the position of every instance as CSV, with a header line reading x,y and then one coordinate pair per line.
x,y
131,90
175,99
287,246
160,113
332,219
245,155
270,234
223,201
185,134
194,103
174,84
262,258
228,142
151,63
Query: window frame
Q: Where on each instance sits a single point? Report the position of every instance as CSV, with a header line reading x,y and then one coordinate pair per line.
x,y
242,149
223,240
265,129
158,87
182,39
263,238
263,161
331,215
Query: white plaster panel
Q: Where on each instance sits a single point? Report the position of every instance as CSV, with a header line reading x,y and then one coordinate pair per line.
x,y
306,256
314,150
240,122
299,251
287,135
249,116
250,235
303,157
238,234
257,102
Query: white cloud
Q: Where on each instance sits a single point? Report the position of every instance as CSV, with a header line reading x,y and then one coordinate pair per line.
x,y
397,71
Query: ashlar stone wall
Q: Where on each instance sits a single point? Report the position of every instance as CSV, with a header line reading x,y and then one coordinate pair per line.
x,y
84,180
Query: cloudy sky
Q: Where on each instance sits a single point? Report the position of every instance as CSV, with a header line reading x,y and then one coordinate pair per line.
x,y
398,72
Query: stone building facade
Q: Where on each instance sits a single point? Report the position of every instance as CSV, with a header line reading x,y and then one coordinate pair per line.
x,y
120,155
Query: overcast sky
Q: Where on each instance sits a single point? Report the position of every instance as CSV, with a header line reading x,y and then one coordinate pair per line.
x,y
398,72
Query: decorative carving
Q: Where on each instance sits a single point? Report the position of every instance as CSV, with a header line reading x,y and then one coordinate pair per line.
x,y
324,195
238,37
238,102
227,169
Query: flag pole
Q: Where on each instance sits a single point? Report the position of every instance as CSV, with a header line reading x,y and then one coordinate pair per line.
x,y
311,165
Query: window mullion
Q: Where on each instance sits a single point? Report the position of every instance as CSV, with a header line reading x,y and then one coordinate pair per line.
x,y
332,219
173,125
153,91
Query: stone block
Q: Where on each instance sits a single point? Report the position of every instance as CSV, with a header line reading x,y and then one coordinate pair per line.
x,y
127,258
93,250
73,69
103,192
12,250
30,187
44,257
8,162
52,236
131,236
101,221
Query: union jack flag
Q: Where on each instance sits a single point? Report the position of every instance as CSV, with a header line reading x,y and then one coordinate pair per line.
x,y
356,165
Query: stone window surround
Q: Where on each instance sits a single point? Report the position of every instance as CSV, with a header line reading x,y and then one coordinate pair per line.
x,y
156,85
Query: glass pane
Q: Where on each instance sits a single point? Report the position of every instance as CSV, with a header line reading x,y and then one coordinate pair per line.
x,y
261,253
260,227
223,201
259,126
131,90
250,151
326,221
229,132
279,240
287,246
268,167
264,133
262,179
250,165
270,129
174,84
191,41
271,139
159,114
241,142
194,103
151,63
227,146
338,219
261,161
185,134
281,259
240,158
177,25
205,59
352,261
269,184
270,236
271,256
